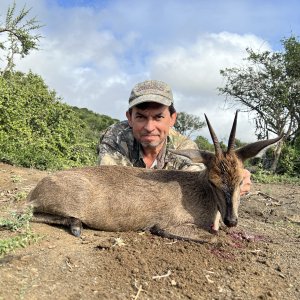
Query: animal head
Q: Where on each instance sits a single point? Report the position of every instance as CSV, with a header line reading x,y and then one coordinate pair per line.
x,y
225,169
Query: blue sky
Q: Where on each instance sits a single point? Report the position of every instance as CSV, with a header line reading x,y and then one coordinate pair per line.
x,y
93,52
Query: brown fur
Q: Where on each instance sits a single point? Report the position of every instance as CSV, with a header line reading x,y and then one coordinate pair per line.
x,y
116,198
176,204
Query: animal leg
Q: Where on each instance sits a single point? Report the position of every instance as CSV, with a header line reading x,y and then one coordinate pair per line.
x,y
216,224
185,232
50,219
74,223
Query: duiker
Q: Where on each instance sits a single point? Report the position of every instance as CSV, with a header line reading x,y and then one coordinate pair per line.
x,y
174,204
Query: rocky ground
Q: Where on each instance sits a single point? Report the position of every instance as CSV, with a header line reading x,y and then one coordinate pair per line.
x,y
259,259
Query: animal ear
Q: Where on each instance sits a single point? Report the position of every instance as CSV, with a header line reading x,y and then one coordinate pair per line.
x,y
253,149
195,156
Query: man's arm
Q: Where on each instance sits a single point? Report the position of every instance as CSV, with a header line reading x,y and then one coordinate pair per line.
x,y
111,156
181,142
110,152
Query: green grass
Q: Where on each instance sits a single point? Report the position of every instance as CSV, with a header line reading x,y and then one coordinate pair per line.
x,y
16,178
20,196
19,226
263,176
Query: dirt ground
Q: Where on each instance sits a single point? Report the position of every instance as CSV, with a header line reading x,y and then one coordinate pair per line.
x,y
259,259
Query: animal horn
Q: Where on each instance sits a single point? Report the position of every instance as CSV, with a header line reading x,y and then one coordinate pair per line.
x,y
218,149
232,134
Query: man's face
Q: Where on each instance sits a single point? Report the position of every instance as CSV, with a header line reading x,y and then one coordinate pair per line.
x,y
151,126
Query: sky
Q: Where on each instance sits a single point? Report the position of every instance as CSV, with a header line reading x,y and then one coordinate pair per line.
x,y
93,52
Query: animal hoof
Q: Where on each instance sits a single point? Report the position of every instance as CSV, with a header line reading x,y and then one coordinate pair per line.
x,y
76,231
212,230
75,226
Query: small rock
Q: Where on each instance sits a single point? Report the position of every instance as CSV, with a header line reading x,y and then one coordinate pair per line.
x,y
173,282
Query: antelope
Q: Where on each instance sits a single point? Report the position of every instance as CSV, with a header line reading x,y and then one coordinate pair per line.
x,y
170,203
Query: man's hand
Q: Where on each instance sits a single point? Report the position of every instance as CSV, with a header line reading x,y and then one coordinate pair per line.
x,y
246,185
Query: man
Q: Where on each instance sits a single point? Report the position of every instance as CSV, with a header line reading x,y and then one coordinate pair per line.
x,y
145,138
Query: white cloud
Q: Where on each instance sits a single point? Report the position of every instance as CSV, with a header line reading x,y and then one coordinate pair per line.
x,y
194,73
93,55
90,72
195,68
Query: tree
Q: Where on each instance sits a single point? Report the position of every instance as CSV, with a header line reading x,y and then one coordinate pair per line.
x,y
269,86
20,37
188,124
204,144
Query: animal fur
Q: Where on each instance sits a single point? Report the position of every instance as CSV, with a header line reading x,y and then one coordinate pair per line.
x,y
176,204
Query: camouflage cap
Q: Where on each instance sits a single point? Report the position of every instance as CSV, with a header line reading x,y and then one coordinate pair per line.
x,y
151,91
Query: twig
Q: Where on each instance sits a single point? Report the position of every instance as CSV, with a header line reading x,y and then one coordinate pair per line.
x,y
264,195
267,196
6,200
140,289
162,276
209,280
68,263
211,272
171,243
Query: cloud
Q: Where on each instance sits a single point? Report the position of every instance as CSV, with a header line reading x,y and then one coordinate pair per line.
x,y
94,52
194,73
195,68
87,68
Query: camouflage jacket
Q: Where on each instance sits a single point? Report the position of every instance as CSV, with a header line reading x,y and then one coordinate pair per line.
x,y
118,147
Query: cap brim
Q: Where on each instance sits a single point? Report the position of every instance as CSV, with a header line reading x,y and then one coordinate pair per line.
x,y
150,98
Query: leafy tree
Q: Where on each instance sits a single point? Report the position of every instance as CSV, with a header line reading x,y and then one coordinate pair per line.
x,y
238,143
204,144
187,124
269,86
20,37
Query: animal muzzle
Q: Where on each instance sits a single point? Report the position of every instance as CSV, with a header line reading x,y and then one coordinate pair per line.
x,y
230,219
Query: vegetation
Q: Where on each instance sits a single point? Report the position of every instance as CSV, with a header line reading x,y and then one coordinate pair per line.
x,y
96,123
19,224
20,37
263,176
36,129
204,144
187,124
289,162
269,87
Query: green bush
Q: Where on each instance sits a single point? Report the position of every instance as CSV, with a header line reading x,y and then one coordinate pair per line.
x,y
37,129
288,161
204,144
264,176
95,122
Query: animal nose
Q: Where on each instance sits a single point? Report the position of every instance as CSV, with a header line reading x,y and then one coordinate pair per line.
x,y
230,222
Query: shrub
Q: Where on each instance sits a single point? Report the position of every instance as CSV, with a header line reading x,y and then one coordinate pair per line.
x,y
37,129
